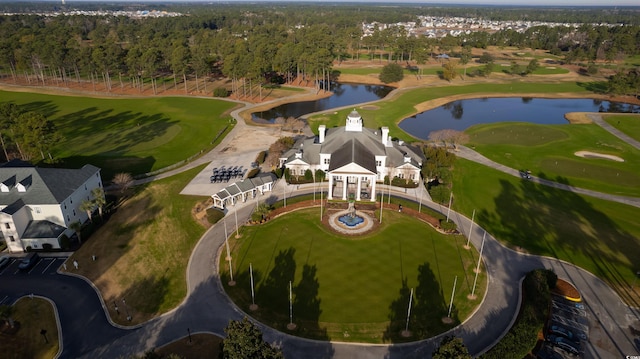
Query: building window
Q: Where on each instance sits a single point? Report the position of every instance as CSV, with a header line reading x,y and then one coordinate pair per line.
x,y
12,239
7,225
378,163
412,176
71,200
74,212
65,206
326,161
38,209
401,175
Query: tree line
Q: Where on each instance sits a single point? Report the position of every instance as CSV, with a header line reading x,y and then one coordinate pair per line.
x,y
255,46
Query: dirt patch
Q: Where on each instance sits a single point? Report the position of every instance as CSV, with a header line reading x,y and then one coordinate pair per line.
x,y
578,118
567,290
199,212
589,154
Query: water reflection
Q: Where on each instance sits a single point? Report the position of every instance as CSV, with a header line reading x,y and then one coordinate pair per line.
x,y
343,95
462,114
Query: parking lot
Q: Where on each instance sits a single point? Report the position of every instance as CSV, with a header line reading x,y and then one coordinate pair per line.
x,y
44,266
567,331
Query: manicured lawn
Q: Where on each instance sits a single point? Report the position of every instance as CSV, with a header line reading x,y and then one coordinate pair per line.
x,y
143,250
352,289
597,235
628,124
548,151
31,317
542,70
390,112
129,135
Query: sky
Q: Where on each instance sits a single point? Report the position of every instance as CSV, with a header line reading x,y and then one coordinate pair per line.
x,y
607,3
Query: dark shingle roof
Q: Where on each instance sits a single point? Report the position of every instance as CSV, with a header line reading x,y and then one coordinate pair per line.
x,y
48,185
43,229
353,151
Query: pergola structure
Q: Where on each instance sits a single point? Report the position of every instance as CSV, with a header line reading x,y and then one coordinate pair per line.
x,y
243,190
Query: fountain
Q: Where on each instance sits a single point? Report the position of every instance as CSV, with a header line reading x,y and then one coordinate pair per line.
x,y
351,219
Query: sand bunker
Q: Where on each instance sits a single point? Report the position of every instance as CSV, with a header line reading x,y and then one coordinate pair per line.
x,y
589,154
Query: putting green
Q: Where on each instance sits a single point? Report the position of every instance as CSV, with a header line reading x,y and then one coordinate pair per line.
x,y
352,288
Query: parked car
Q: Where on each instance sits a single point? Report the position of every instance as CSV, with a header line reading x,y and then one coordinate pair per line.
x,y
563,332
525,174
564,344
29,261
4,261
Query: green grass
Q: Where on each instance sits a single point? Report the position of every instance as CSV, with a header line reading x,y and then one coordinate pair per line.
x,y
128,135
144,249
597,235
548,151
628,124
31,317
359,286
542,70
391,111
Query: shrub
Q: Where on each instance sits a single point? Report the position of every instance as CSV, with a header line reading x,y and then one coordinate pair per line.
x,y
65,242
214,215
391,73
404,183
254,172
447,226
308,175
278,172
523,336
261,156
220,92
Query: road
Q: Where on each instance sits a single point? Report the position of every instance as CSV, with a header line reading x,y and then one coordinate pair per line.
x,y
207,309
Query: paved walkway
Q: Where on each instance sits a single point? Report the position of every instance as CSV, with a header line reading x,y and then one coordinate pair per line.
x,y
208,309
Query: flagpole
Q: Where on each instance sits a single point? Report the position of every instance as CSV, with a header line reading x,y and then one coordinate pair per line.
x,y
406,328
253,305
453,292
470,229
477,270
449,209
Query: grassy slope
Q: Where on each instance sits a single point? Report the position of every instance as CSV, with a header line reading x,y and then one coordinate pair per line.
x,y
597,235
144,249
391,112
353,285
628,124
548,151
128,135
31,315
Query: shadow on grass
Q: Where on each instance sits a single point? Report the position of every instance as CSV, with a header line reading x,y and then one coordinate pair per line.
x,y
427,312
594,86
46,108
133,302
111,165
562,224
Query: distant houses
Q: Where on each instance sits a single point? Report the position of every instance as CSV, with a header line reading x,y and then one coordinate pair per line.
x,y
38,205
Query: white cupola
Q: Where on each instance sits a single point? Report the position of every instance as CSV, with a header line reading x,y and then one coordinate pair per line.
x,y
354,122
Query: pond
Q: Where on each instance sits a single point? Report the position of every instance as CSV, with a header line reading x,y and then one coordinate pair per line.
x,y
344,94
462,114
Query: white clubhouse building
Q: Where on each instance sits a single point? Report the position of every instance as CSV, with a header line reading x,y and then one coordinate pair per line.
x,y
354,158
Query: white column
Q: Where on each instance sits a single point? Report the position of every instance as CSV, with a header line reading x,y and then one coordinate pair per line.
x,y
373,188
330,191
359,188
345,179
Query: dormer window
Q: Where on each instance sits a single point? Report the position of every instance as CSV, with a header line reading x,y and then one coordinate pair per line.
x,y
8,184
23,185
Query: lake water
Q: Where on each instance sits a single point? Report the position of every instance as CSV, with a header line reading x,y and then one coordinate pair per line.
x,y
460,115
343,95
